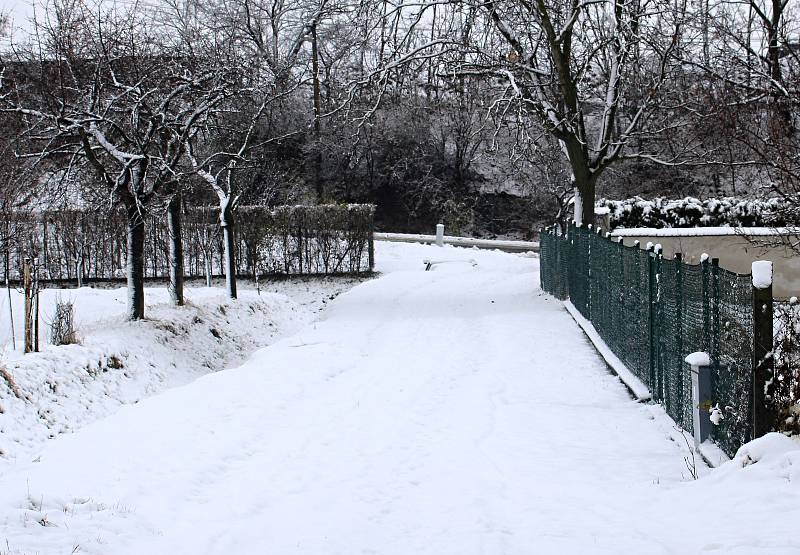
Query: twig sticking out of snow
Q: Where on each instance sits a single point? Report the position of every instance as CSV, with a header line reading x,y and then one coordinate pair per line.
x,y
12,385
690,460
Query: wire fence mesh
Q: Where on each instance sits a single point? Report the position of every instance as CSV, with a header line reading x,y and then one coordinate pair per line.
x,y
652,312
786,355
732,345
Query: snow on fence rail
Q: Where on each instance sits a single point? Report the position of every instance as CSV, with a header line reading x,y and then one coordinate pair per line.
x,y
652,312
287,240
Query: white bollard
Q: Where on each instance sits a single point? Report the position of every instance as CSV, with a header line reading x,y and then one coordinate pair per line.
x,y
700,364
439,235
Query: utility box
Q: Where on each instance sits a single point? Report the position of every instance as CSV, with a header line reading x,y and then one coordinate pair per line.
x,y
700,364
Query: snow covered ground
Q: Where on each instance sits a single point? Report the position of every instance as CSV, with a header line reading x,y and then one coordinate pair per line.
x,y
455,411
119,362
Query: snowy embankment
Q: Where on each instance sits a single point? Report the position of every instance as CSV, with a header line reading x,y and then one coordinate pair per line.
x,y
455,411
117,362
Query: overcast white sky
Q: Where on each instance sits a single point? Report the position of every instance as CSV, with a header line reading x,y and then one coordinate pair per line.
x,y
22,7
20,10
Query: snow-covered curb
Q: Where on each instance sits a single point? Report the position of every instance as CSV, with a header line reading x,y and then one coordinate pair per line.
x,y
711,453
634,384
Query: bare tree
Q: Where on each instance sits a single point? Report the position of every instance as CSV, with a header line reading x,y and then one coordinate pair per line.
x,y
544,174
218,169
97,91
591,73
5,23
275,46
755,62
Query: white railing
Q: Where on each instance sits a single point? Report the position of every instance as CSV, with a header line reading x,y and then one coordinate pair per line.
x,y
503,245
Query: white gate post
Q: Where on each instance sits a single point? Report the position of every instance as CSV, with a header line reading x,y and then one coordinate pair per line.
x,y
439,235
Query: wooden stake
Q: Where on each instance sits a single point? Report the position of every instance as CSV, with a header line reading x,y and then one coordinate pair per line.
x,y
35,294
27,284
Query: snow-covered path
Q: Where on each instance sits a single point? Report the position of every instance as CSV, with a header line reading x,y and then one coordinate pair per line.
x,y
455,411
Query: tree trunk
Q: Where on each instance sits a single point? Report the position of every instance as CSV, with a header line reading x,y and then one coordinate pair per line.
x,y
176,273
79,266
135,264
228,233
10,306
781,124
27,281
583,179
317,114
209,269
584,202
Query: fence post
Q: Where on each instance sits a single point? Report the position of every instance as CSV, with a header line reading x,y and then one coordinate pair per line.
x,y
599,289
543,284
587,289
652,298
439,235
10,305
371,247
764,417
678,258
568,262
36,305
27,283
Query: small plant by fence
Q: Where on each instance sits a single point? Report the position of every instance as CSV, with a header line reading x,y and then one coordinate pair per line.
x,y
653,312
288,240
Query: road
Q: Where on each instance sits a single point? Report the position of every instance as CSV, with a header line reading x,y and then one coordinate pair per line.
x,y
454,411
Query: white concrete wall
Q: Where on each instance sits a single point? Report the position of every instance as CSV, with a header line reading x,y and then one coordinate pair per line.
x,y
735,252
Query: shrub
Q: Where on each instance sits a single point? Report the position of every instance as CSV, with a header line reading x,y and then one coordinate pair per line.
x,y
319,239
62,328
692,212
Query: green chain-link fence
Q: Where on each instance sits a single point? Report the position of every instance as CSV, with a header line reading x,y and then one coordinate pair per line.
x,y
785,394
652,312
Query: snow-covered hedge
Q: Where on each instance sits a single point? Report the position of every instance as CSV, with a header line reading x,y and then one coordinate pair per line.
x,y
322,239
692,212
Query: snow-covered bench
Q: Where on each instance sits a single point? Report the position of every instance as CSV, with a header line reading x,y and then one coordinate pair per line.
x,y
429,263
